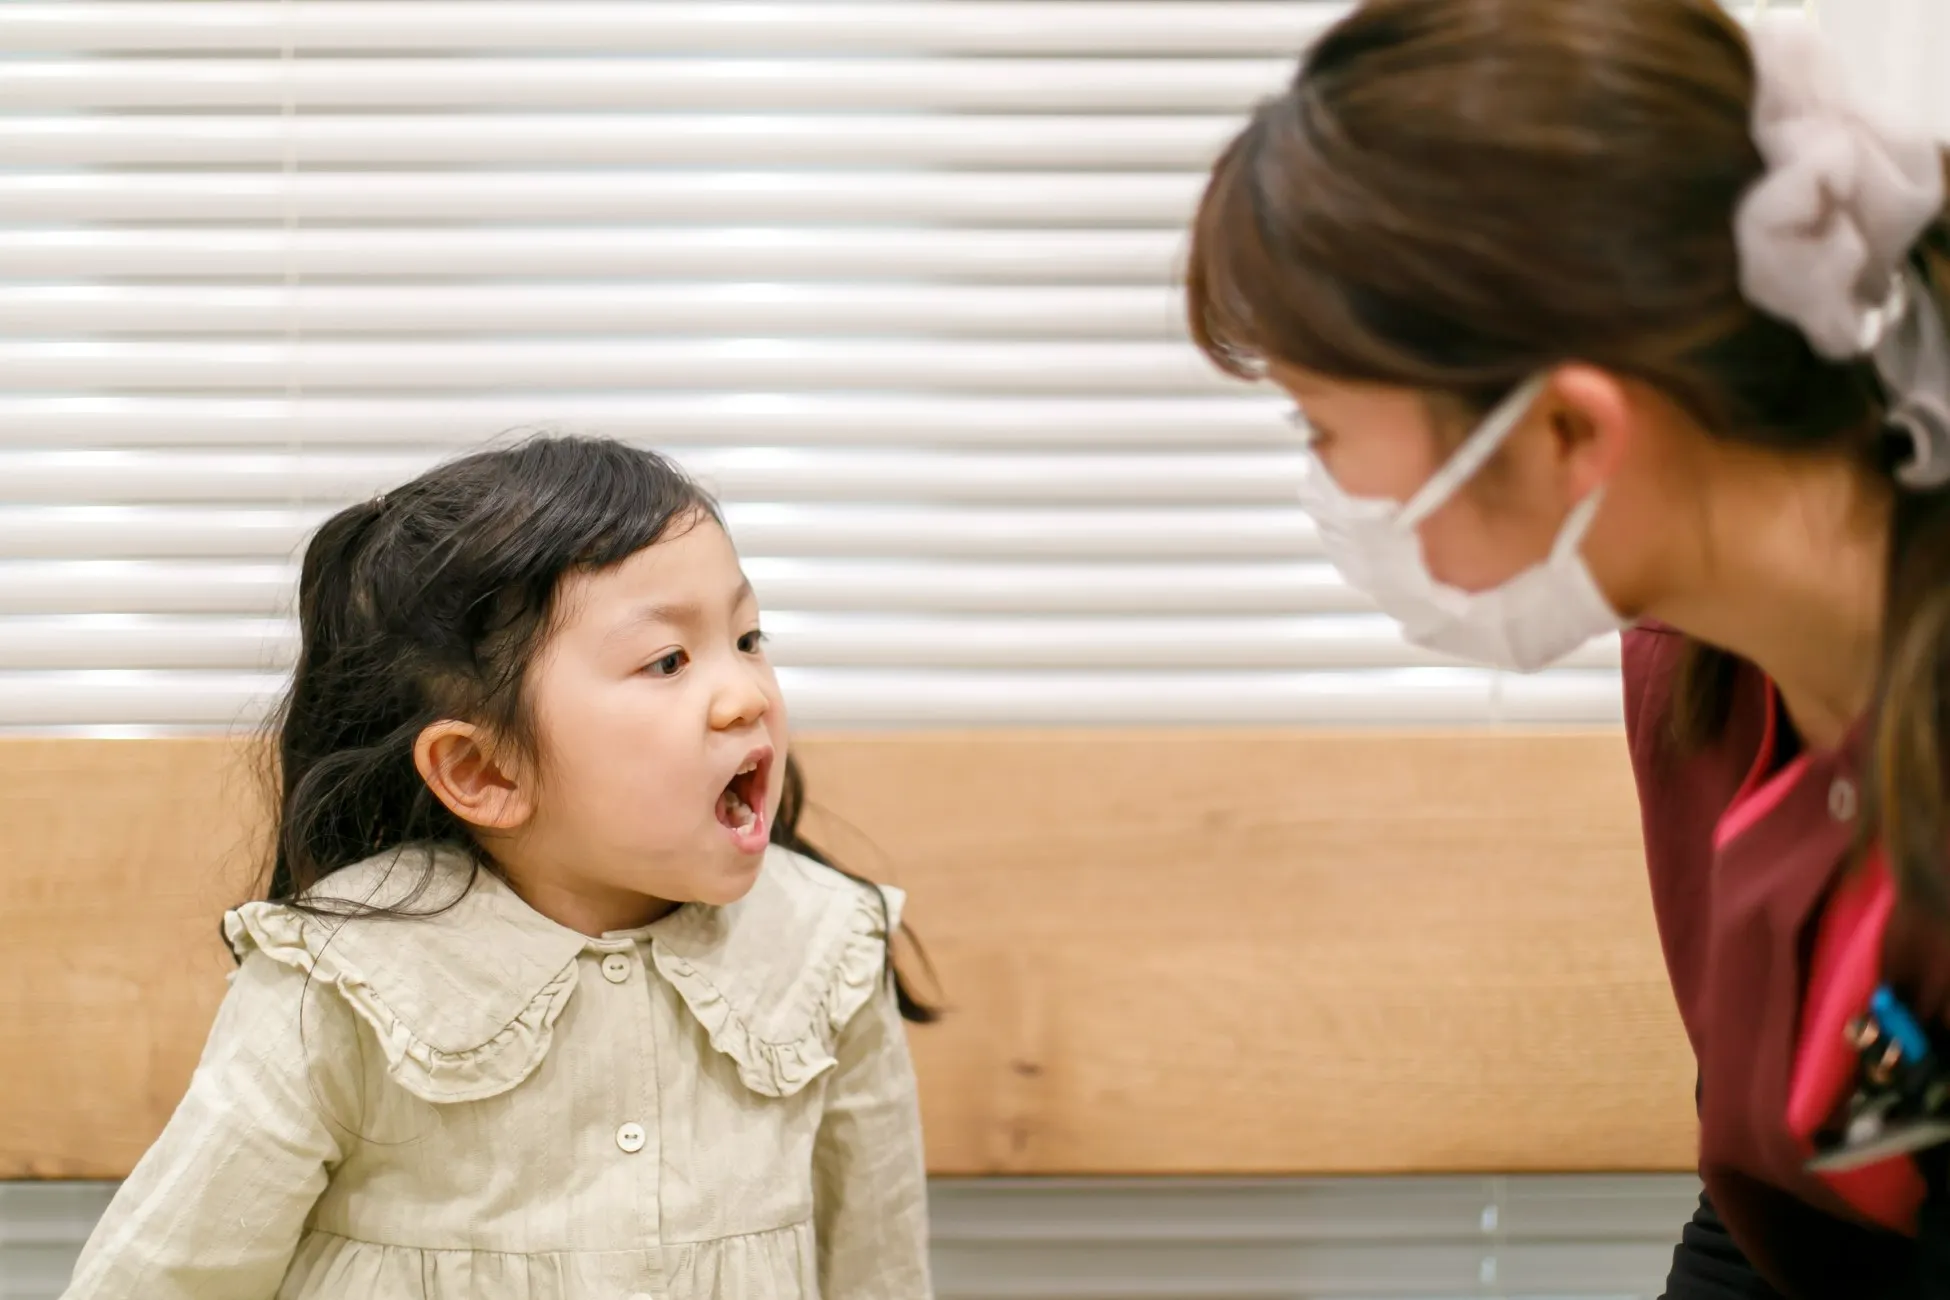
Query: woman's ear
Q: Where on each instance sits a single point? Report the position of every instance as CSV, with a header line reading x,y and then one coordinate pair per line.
x,y
462,768
1591,421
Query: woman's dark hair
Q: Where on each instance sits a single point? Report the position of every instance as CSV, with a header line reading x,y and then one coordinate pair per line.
x,y
1453,195
431,602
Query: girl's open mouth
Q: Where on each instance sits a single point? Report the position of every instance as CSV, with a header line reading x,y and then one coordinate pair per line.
x,y
741,805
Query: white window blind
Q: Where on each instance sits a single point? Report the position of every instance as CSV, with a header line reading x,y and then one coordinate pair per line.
x,y
897,278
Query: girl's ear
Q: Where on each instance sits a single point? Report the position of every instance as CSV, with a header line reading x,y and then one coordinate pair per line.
x,y
460,766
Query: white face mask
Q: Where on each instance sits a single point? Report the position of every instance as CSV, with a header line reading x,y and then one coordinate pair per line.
x,y
1528,623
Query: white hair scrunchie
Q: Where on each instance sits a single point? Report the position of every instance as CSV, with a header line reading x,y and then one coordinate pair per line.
x,y
1825,236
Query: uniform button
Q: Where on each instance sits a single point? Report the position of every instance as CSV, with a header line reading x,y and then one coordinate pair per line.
x,y
616,968
1842,800
630,1138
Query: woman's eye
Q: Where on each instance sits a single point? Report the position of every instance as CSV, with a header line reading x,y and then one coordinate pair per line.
x,y
668,666
752,642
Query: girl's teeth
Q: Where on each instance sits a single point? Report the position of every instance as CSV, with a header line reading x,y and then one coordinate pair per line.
x,y
738,814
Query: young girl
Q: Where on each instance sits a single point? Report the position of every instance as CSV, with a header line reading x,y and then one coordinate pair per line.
x,y
547,1000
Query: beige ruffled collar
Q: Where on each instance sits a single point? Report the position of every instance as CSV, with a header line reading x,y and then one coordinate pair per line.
x,y
464,1002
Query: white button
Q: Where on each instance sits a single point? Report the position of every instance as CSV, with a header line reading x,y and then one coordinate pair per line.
x,y
616,968
630,1138
1841,800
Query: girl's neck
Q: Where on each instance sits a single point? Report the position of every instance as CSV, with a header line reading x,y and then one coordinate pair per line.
x,y
1792,577
586,906
593,911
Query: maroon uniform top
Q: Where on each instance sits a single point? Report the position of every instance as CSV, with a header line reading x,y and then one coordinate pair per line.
x,y
1745,841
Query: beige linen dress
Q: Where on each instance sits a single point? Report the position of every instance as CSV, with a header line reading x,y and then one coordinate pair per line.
x,y
484,1105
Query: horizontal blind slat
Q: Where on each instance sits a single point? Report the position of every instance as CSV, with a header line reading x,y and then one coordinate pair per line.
x,y
1223,84
1177,585
904,363
906,585
1241,419
826,528
1159,1268
143,586
665,139
1099,312
1000,1211
1119,200
742,252
721,26
771,474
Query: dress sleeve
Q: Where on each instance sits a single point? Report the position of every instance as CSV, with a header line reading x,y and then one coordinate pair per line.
x,y
869,1171
215,1209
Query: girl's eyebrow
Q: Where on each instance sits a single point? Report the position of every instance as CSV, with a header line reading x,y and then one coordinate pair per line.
x,y
683,613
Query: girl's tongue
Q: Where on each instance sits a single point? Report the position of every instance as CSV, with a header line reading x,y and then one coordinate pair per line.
x,y
737,815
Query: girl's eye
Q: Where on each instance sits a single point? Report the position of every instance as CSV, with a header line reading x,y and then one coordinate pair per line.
x,y
752,642
668,666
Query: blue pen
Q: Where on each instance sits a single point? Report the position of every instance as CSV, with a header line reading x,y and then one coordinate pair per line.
x,y
1899,1024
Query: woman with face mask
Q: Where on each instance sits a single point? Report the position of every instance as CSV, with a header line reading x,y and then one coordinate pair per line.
x,y
1608,313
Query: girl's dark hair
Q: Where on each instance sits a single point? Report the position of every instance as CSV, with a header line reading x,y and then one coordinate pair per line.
x,y
431,602
1453,195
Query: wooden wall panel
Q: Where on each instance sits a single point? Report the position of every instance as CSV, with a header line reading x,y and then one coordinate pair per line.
x,y
1165,952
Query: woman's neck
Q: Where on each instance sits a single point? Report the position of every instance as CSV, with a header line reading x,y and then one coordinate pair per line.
x,y
1792,577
